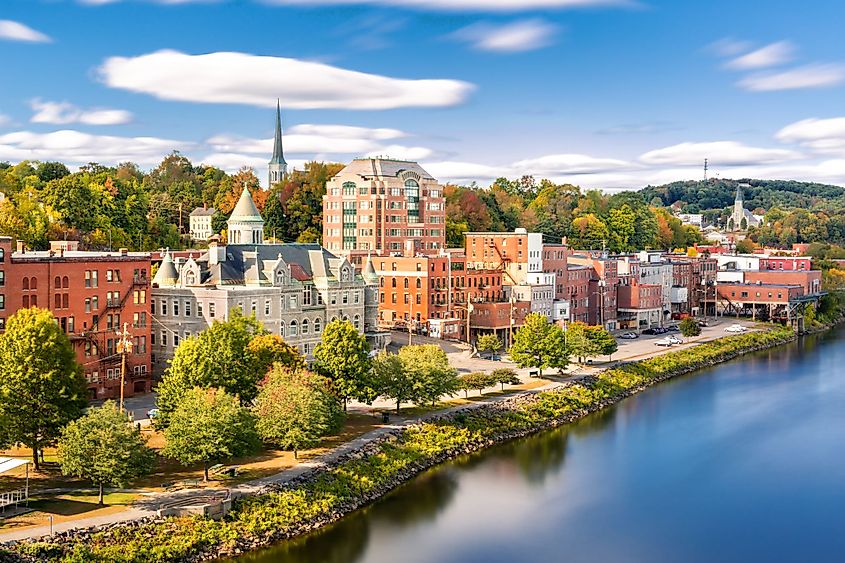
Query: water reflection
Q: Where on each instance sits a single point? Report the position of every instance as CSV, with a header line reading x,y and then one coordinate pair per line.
x,y
419,500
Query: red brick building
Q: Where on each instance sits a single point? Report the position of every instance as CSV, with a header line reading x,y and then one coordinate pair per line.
x,y
91,295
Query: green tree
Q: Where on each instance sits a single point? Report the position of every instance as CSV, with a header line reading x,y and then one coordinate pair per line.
x,y
689,328
104,447
392,379
41,384
209,425
489,343
269,349
539,344
505,376
476,380
343,355
587,341
429,368
295,408
220,357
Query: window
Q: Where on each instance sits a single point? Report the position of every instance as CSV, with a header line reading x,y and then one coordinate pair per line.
x,y
2,255
293,328
199,308
357,322
345,297
293,301
163,308
95,303
356,297
175,309
304,326
109,277
2,301
211,309
318,326
349,188
282,329
187,308
175,339
253,306
306,296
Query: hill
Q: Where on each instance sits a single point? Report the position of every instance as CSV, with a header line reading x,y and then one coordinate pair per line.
x,y
717,193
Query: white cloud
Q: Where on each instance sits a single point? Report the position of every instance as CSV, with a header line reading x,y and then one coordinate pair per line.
x,y
556,164
347,132
822,135
4,120
242,78
518,36
455,171
728,47
444,5
770,55
16,31
808,76
74,147
401,152
719,153
63,113
315,139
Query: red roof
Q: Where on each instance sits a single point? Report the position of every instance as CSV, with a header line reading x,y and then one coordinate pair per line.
x,y
298,273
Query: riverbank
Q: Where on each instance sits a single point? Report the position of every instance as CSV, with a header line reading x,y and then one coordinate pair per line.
x,y
366,474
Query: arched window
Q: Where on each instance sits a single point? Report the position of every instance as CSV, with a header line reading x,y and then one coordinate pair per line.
x,y
334,318
190,278
2,254
26,286
406,283
346,318
357,322
318,326
65,282
419,283
393,282
381,282
294,329
304,326
280,278
282,329
349,188
57,283
33,283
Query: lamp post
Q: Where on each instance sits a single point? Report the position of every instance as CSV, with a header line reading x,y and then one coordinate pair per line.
x,y
124,347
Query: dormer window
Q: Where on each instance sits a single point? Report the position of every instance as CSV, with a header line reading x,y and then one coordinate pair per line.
x,y
190,277
344,275
280,277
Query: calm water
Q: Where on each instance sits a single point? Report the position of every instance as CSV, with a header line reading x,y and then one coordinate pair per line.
x,y
744,462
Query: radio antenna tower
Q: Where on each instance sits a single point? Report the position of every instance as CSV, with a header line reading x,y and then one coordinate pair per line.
x,y
705,169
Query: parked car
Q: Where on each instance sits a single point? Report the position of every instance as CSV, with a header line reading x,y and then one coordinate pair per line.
x,y
735,328
702,323
629,335
672,328
652,330
674,339
665,342
152,413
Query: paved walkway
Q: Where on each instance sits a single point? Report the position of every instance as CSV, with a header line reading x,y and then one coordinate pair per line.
x,y
147,506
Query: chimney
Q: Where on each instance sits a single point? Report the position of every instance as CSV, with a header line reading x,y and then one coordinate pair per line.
x,y
124,251
21,248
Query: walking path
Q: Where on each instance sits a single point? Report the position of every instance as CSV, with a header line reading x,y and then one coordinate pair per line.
x,y
151,502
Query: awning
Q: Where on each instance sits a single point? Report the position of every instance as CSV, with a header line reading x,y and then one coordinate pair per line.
x,y
9,463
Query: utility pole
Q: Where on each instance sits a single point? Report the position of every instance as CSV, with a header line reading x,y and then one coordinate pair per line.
x,y
124,347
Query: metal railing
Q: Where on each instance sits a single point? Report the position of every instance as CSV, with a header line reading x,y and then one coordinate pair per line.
x,y
12,497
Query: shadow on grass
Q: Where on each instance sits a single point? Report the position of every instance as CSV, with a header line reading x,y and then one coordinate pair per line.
x,y
63,507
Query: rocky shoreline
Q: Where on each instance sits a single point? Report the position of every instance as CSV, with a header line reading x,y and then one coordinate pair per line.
x,y
246,544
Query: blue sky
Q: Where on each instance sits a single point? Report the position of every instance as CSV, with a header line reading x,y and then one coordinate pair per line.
x,y
593,92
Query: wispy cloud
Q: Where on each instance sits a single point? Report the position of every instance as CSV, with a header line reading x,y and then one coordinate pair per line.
x,y
524,35
4,120
770,55
728,47
646,128
821,135
723,152
63,113
243,78
440,5
808,76
16,31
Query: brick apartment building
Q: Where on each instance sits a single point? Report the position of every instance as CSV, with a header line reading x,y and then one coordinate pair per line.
x,y
382,206
91,295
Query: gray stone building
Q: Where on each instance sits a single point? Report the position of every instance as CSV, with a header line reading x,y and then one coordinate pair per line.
x,y
294,290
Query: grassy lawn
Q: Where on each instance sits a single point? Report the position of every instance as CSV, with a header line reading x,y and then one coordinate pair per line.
x,y
67,507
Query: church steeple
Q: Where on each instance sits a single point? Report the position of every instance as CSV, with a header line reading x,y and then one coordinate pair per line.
x,y
278,167
739,195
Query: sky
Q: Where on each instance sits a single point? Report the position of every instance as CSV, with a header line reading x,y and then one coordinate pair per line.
x,y
610,94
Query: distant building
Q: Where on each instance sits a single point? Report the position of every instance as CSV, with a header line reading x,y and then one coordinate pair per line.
x,y
741,219
91,295
383,206
294,290
199,222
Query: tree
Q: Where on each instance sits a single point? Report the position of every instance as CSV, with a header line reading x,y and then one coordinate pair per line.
x,y
429,368
392,379
488,343
41,384
209,425
218,357
505,376
343,356
269,349
104,447
586,341
539,344
295,408
689,328
476,380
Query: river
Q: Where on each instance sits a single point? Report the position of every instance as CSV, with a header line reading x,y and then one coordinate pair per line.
x,y
741,462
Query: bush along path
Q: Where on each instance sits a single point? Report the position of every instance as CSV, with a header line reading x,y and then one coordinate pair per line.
x,y
362,476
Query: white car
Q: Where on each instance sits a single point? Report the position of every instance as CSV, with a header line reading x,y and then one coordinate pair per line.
x,y
674,339
665,342
735,328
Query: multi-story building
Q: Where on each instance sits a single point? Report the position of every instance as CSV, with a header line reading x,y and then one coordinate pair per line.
x,y
294,290
604,282
383,206
93,296
199,223
578,282
517,254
